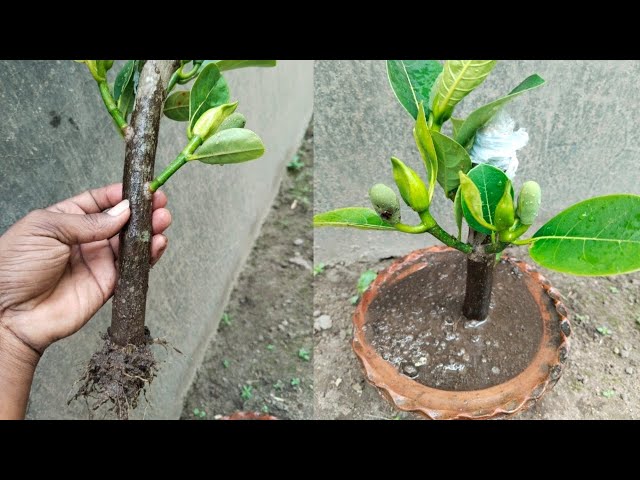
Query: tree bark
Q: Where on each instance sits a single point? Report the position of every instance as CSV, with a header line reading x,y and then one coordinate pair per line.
x,y
480,268
130,298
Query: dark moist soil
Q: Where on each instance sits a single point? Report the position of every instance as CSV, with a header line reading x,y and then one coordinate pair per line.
x,y
257,351
416,324
601,379
116,376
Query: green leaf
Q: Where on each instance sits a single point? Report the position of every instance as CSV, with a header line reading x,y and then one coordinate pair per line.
x,y
176,107
234,145
458,79
208,91
457,208
472,204
484,114
225,65
412,80
452,158
365,280
125,75
124,88
355,217
490,182
456,123
599,236
424,141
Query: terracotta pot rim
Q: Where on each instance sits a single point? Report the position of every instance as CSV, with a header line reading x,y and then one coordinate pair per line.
x,y
507,398
249,416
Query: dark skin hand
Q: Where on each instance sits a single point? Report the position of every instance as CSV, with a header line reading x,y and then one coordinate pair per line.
x,y
57,269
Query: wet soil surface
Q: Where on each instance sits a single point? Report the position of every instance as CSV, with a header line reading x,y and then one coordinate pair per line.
x,y
417,325
261,358
601,379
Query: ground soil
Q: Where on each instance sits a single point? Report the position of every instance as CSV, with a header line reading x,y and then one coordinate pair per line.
x,y
417,325
255,362
601,379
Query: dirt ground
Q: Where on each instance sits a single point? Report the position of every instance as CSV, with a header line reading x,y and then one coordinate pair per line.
x,y
601,379
262,357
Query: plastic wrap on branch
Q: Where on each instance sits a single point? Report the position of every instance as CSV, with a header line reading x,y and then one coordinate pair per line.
x,y
497,142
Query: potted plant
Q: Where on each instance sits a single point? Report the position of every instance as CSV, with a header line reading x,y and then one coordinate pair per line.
x,y
141,92
464,331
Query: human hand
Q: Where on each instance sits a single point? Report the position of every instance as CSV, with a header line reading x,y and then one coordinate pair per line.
x,y
58,265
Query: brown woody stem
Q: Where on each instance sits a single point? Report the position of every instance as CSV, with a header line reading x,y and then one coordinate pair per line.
x,y
130,298
480,268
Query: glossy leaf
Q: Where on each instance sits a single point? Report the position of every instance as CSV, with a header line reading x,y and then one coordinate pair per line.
x,y
490,182
599,236
355,217
411,81
234,145
125,75
125,85
176,107
452,158
458,79
225,65
424,141
484,114
457,209
472,205
208,91
412,189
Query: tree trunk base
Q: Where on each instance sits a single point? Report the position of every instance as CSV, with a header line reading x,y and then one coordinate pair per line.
x,y
117,375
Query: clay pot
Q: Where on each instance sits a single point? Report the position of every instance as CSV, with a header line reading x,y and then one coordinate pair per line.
x,y
508,398
249,416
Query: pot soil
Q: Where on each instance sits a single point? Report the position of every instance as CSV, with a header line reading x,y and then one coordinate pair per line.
x,y
424,356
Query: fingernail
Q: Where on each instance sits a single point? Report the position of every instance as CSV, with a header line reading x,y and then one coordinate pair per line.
x,y
119,209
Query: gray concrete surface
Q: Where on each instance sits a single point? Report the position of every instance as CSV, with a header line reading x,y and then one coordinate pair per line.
x,y
583,128
56,140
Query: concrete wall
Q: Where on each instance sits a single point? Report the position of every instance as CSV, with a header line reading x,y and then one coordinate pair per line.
x,y
583,128
56,140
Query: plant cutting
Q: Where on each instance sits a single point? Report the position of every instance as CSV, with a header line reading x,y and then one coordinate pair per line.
x,y
215,135
465,331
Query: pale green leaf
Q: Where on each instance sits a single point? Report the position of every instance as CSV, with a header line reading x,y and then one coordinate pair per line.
x,y
355,217
458,79
422,136
234,145
225,65
452,158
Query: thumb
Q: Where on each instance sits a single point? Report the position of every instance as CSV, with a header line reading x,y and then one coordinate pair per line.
x,y
73,229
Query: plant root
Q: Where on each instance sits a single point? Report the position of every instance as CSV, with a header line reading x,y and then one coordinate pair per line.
x,y
117,375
